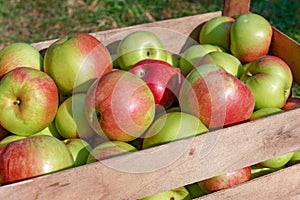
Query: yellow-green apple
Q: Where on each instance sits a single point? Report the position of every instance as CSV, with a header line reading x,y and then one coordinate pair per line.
x,y
180,193
216,31
225,60
216,97
120,106
194,53
50,130
79,149
250,37
109,149
75,62
140,45
291,103
70,120
295,158
258,170
171,127
268,76
173,59
264,112
195,190
28,101
19,54
162,79
32,157
11,138
278,161
226,180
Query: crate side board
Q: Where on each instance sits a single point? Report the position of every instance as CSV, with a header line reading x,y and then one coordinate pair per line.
x,y
231,148
283,184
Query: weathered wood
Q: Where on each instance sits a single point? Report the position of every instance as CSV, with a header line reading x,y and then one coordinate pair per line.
x,y
235,7
168,166
283,184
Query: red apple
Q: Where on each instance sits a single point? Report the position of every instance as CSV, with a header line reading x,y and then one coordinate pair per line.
x,y
216,97
291,103
120,105
28,101
75,62
226,180
161,77
32,157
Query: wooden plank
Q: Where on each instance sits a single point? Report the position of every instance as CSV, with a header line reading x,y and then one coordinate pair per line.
x,y
283,184
235,7
168,166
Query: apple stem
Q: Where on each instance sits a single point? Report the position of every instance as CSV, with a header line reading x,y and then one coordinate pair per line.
x,y
17,102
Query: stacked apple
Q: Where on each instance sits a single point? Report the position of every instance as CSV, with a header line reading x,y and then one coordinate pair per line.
x,y
75,105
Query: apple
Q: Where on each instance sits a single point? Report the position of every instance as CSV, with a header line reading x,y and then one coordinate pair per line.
x,y
172,126
194,53
291,103
162,79
250,37
270,79
257,171
140,45
70,120
19,54
180,193
28,101
264,112
75,62
278,161
11,138
79,149
225,180
173,59
195,190
120,106
225,60
295,158
3,132
216,31
32,157
109,149
49,130
216,97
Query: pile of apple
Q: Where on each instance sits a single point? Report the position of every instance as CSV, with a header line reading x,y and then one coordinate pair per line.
x,y
74,104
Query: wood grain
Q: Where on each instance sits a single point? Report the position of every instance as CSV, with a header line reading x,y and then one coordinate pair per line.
x,y
235,7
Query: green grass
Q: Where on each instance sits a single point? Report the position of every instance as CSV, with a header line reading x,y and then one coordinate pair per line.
x,y
34,21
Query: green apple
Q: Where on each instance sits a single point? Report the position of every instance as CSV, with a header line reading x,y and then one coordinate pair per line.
x,y
295,159
216,31
270,80
50,130
257,171
140,45
79,149
109,149
225,60
11,138
173,59
195,190
180,193
75,62
194,53
28,101
19,54
264,112
70,120
250,37
278,161
172,126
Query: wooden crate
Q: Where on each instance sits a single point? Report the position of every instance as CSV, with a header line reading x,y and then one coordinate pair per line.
x,y
198,158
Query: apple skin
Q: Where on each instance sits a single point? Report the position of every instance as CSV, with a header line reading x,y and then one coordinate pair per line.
x,y
268,76
83,57
28,101
264,112
11,138
194,53
172,126
250,37
295,158
162,79
278,161
19,54
216,97
137,46
173,59
225,60
257,171
79,149
217,32
180,193
32,157
70,120
226,180
195,190
120,106
291,103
